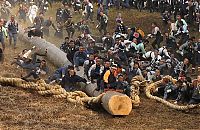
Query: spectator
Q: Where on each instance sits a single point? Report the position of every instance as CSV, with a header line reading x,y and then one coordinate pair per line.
x,y
12,26
32,13
103,23
3,33
71,81
80,57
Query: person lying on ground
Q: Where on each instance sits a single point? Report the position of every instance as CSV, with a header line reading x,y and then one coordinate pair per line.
x,y
23,56
30,63
37,71
58,75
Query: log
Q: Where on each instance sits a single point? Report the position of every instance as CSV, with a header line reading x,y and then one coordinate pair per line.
x,y
116,103
90,90
54,55
113,102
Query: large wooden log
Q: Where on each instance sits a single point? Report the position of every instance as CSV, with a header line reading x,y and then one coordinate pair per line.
x,y
90,90
54,55
116,103
113,102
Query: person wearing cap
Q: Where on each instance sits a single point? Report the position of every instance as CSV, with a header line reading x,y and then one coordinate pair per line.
x,y
3,33
109,77
32,13
71,81
12,27
80,57
106,67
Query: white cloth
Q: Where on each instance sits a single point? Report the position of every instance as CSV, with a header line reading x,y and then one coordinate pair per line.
x,y
163,51
32,13
27,54
149,54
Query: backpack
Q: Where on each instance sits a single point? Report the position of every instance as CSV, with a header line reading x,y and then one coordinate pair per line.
x,y
141,32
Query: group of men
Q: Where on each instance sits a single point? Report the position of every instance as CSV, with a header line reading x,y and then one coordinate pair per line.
x,y
123,55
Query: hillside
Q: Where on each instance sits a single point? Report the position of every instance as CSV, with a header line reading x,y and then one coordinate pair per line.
x,y
25,109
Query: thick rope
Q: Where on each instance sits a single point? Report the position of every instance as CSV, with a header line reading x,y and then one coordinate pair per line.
x,y
53,90
136,84
152,87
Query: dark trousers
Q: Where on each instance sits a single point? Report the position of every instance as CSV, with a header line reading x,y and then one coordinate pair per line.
x,y
2,42
46,31
194,101
32,73
89,15
104,28
22,17
78,61
157,42
70,31
13,36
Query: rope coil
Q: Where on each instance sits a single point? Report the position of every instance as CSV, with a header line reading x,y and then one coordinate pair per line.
x,y
53,90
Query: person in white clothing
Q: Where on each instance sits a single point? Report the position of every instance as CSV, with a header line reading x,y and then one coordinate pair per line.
x,y
32,13
164,52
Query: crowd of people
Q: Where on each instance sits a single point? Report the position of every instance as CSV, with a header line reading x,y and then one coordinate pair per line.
x,y
124,52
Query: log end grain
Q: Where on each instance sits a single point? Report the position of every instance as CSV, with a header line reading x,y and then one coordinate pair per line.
x,y
116,103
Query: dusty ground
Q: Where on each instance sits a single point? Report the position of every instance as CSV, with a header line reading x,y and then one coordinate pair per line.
x,y
24,109
21,109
